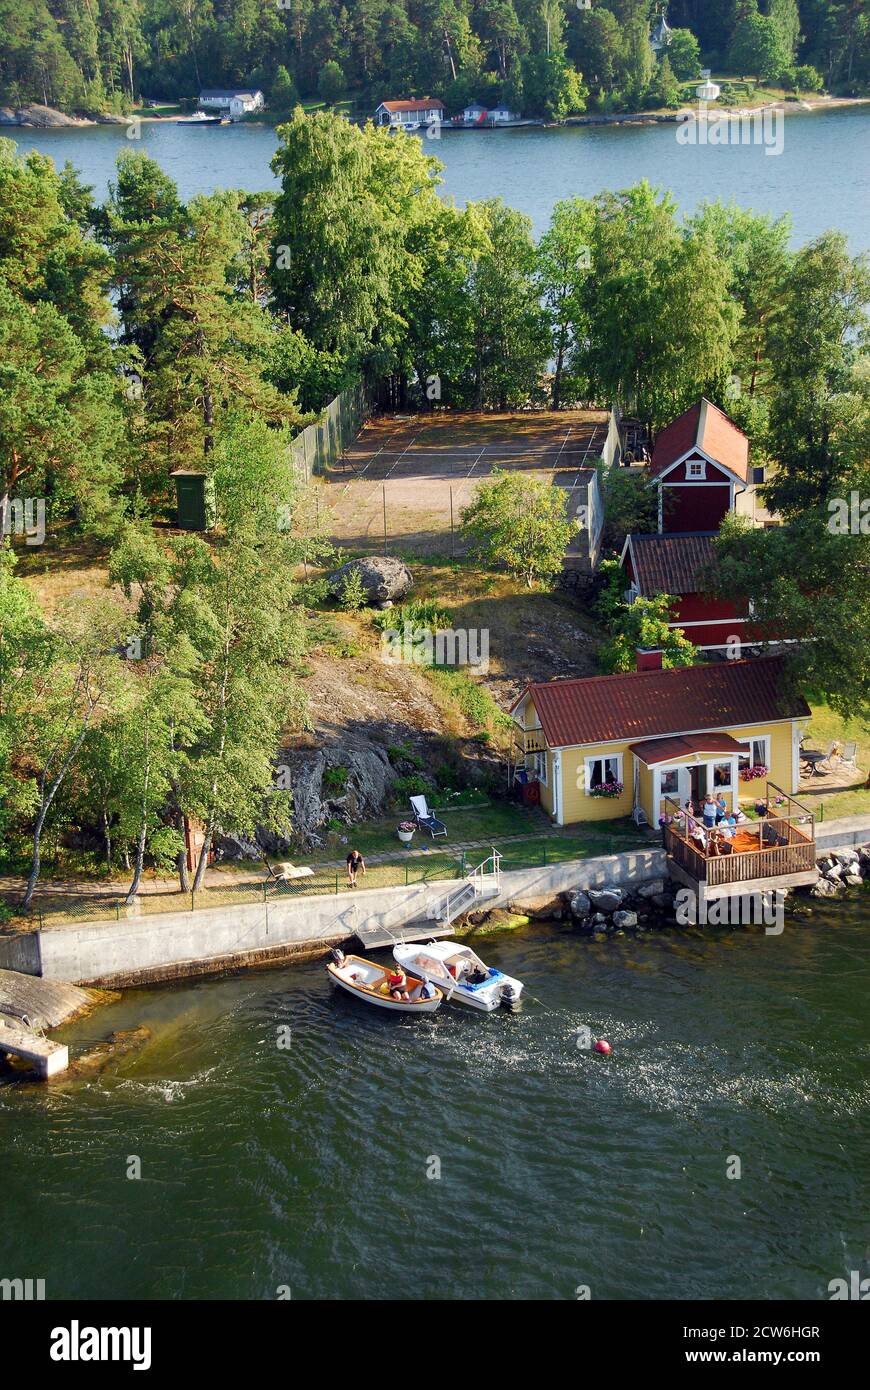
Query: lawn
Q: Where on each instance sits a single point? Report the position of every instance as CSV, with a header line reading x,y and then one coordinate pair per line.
x,y
824,727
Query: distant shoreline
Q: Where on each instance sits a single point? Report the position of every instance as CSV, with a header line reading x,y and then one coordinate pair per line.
x,y
35,117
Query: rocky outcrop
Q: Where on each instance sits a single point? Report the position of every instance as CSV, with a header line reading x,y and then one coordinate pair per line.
x,y
344,782
384,579
40,117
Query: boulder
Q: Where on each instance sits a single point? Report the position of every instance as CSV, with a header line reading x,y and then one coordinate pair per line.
x,y
541,906
853,880
663,901
824,889
625,919
580,904
606,899
237,847
382,578
362,794
652,889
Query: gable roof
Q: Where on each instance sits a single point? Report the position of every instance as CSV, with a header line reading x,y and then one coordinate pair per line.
x,y
670,564
670,750
427,104
653,704
226,93
703,426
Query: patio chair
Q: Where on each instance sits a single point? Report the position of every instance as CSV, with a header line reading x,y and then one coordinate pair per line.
x,y
286,873
850,754
825,762
424,817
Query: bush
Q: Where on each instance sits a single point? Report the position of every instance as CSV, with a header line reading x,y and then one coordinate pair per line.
x,y
808,78
335,778
419,612
415,785
353,594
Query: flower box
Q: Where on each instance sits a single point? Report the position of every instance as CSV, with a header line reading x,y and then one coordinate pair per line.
x,y
405,832
749,774
606,789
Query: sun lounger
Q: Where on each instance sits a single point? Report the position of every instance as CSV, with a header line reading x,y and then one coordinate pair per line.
x,y
425,818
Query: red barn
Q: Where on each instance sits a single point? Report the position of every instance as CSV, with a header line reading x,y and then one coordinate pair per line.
x,y
676,565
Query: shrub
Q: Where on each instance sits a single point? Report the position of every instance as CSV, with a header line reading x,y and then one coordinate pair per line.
x,y
335,778
415,785
353,594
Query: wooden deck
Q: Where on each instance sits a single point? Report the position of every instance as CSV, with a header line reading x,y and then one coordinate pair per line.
x,y
775,852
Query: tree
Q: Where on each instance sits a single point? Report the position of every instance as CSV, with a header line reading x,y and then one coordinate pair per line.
x,y
819,383
563,264
511,342
785,15
684,54
811,584
644,624
283,96
664,89
636,61
521,524
330,82
757,48
25,657
671,287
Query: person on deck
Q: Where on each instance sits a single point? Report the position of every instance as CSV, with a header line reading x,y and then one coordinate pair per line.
x,y
709,812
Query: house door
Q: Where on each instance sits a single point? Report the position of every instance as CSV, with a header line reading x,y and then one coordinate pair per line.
x,y
693,785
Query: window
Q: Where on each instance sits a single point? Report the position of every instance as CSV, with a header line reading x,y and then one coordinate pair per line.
x,y
696,470
758,475
670,782
603,772
722,777
757,755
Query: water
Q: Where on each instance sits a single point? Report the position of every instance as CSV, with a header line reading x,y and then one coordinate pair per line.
x,y
307,1167
822,176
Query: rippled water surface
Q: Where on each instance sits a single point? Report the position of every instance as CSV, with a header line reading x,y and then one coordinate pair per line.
x,y
307,1167
822,176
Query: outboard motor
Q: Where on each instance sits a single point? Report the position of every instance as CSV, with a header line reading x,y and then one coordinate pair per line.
x,y
509,999
338,956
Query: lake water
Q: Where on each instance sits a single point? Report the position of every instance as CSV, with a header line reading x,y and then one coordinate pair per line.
x,y
822,176
308,1166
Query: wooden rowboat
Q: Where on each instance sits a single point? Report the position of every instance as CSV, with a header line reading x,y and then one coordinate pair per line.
x,y
370,982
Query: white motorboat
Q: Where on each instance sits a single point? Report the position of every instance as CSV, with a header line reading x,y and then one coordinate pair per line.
x,y
460,974
372,984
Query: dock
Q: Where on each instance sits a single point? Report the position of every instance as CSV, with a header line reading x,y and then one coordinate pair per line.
x,y
47,1057
482,883
378,935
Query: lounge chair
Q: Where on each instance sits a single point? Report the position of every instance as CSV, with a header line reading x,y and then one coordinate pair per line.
x,y
286,873
425,818
850,754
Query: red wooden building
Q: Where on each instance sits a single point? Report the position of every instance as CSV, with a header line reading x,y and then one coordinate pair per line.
x,y
700,468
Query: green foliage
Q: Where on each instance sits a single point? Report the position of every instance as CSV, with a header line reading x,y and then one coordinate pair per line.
x,y
644,624
629,506
353,594
330,81
335,778
684,55
417,613
472,699
520,524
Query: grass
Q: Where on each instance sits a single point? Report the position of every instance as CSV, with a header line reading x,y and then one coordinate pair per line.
x,y
824,727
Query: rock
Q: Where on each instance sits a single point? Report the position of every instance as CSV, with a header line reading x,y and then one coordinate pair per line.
x,y
654,888
31,113
625,919
382,578
834,871
580,904
541,906
824,889
854,880
663,901
606,899
846,857
237,847
362,795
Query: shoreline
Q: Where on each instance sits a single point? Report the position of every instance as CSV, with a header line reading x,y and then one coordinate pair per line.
x,y
17,118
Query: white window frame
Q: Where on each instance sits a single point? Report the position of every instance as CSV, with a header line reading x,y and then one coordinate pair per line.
x,y
538,766
666,772
603,759
747,743
723,787
696,471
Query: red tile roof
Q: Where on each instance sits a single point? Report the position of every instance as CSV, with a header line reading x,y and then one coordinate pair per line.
x,y
653,704
702,426
672,750
427,104
671,564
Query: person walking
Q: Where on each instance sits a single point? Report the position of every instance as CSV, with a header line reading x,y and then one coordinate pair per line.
x,y
355,862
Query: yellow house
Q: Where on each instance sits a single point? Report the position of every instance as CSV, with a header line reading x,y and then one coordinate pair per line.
x,y
610,746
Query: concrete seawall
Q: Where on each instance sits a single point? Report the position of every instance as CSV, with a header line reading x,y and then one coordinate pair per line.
x,y
175,945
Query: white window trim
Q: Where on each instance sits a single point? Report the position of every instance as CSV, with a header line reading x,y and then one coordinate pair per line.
x,y
746,743
539,766
602,758
696,470
662,771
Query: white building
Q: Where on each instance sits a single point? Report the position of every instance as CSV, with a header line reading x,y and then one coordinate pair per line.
x,y
410,115
230,101
488,115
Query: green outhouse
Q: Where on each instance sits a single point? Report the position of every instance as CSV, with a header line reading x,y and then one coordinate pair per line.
x,y
194,492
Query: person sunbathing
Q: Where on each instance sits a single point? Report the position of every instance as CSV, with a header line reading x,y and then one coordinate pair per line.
x,y
398,983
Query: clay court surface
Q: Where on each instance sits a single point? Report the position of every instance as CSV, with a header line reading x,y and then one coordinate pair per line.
x,y
413,463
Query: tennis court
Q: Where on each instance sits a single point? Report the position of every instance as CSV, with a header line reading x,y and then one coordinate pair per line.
x,y
408,477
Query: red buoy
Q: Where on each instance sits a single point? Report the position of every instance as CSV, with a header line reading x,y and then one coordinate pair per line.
x,y
603,1046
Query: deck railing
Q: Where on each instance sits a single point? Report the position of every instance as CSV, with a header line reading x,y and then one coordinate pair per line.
x,y
786,844
530,740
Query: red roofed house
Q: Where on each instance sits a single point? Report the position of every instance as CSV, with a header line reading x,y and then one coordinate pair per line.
x,y
700,466
410,115
610,746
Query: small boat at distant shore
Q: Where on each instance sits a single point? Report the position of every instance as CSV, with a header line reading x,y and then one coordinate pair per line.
x,y
198,118
371,983
461,974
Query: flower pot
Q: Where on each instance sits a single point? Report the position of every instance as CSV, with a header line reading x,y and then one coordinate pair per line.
x,y
406,836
